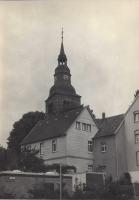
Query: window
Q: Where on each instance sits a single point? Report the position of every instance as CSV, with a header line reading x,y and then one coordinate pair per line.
x,y
103,147
23,148
89,127
54,145
137,158
41,148
101,168
137,136
90,146
136,116
78,125
90,168
86,127
27,148
83,126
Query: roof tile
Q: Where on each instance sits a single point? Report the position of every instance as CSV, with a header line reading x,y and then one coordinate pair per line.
x,y
108,126
52,126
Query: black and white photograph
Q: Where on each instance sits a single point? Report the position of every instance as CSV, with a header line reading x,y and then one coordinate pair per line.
x,y
69,99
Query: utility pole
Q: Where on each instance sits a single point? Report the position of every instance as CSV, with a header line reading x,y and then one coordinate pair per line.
x,y
60,181
134,190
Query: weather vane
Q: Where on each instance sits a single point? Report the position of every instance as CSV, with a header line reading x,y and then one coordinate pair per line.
x,y
62,34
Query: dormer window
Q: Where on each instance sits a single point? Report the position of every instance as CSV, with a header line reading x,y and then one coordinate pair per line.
x,y
136,116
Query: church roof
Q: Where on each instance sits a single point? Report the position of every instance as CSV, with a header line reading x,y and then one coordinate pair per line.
x,y
108,126
62,89
53,126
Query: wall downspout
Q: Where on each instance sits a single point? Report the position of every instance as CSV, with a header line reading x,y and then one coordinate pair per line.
x,y
117,164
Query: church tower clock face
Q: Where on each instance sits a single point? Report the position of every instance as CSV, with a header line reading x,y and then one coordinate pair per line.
x,y
65,77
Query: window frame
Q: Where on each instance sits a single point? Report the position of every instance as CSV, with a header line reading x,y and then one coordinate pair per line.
x,y
105,147
27,148
137,158
41,148
90,146
91,168
136,116
83,126
88,127
54,145
78,125
136,136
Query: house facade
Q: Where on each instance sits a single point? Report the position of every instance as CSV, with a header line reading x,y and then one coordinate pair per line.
x,y
116,144
132,135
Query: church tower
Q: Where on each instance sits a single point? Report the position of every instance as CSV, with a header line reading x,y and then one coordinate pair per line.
x,y
62,95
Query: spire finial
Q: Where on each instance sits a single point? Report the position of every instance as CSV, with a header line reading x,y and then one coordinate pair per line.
x,y
62,59
62,32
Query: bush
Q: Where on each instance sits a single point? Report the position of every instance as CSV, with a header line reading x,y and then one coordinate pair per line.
x,y
119,190
116,190
46,190
6,194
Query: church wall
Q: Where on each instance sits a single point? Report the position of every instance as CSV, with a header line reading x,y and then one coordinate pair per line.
x,y
77,141
58,100
131,146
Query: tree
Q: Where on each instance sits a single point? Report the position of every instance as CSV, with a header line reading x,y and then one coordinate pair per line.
x,y
29,162
3,158
21,128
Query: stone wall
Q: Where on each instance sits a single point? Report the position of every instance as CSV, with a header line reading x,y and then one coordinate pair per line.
x,y
20,183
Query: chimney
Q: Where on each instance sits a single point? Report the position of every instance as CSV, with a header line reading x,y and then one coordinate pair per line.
x,y
103,115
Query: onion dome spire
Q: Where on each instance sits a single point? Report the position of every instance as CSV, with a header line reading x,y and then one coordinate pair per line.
x,y
62,59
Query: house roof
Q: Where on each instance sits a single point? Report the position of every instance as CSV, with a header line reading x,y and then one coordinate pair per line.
x,y
135,99
52,126
108,126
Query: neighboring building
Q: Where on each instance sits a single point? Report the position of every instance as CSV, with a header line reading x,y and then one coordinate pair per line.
x,y
116,144
65,135
131,121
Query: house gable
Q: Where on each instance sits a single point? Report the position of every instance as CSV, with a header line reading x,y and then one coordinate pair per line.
x,y
77,137
131,127
52,126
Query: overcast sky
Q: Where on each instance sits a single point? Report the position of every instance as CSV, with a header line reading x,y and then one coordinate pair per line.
x,y
101,40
